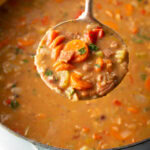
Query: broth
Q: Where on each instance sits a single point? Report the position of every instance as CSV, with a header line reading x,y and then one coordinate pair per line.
x,y
28,107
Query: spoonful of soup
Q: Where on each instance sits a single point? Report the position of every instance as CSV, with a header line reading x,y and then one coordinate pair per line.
x,y
82,59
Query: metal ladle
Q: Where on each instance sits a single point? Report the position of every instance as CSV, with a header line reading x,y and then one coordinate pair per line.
x,y
88,18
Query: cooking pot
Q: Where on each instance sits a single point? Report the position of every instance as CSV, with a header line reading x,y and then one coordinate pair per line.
x,y
22,143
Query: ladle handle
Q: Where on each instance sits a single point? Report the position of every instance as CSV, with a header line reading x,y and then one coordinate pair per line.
x,y
88,8
88,13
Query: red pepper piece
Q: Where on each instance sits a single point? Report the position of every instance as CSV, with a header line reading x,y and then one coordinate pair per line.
x,y
100,32
143,11
8,101
117,103
95,33
92,36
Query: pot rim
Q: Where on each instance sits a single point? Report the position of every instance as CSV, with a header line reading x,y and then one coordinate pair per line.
x,y
56,148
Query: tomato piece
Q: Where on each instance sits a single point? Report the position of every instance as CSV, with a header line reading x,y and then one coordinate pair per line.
x,y
95,34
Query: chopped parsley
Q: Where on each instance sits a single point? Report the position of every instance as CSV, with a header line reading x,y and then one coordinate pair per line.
x,y
18,51
97,65
14,85
41,46
14,104
82,51
48,72
93,47
140,38
144,37
137,40
25,61
143,76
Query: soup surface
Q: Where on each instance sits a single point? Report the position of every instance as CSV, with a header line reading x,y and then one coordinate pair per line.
x,y
30,108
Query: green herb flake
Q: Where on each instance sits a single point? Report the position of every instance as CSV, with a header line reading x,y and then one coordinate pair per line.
x,y
37,75
25,60
97,65
143,76
18,51
137,40
93,47
82,51
48,72
14,85
41,46
14,104
144,37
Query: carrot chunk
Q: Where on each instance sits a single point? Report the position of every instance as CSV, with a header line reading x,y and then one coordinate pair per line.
x,y
99,65
133,110
78,83
64,66
129,9
79,48
147,84
57,41
51,36
56,51
25,42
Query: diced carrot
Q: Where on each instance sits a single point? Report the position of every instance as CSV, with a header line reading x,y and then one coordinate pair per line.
x,y
99,65
58,40
108,64
79,13
147,84
52,34
45,20
133,110
25,42
97,136
120,135
85,130
129,9
40,116
64,66
78,83
134,30
117,103
34,21
4,42
111,24
143,11
76,46
131,78
56,51
99,6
